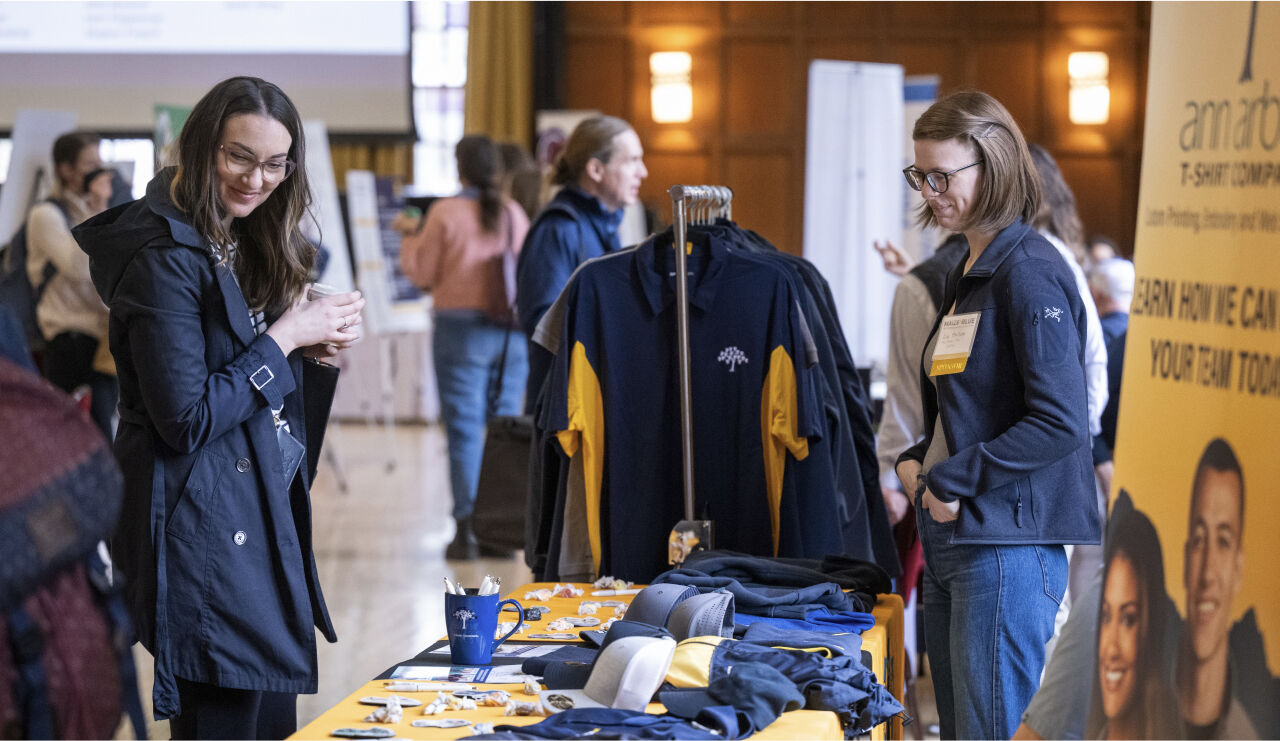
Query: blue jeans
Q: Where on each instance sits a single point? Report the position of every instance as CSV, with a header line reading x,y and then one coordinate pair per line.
x,y
988,612
468,352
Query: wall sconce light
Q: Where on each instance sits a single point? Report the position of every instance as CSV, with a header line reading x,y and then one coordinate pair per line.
x,y
1090,95
671,96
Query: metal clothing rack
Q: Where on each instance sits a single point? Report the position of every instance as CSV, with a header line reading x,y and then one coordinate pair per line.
x,y
700,205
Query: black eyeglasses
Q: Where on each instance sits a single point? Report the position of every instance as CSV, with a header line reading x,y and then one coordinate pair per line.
x,y
936,179
243,163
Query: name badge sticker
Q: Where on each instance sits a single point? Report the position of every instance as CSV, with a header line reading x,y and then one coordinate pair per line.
x,y
954,343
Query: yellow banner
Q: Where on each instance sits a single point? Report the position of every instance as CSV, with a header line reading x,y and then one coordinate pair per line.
x,y
1198,444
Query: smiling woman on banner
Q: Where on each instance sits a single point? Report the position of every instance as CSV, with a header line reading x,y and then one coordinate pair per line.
x,y
206,279
1004,474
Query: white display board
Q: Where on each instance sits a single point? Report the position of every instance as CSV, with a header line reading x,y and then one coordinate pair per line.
x,y
326,209
853,187
392,304
34,132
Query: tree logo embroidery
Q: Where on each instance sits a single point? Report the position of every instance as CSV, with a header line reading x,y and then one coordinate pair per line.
x,y
1055,314
732,356
464,615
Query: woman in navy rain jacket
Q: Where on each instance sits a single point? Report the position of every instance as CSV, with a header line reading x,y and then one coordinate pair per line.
x,y
205,279
1004,474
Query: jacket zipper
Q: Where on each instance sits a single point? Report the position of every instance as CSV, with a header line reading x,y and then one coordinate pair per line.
x,y
1017,511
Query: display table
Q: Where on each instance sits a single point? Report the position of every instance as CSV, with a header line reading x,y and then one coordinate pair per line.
x,y
882,646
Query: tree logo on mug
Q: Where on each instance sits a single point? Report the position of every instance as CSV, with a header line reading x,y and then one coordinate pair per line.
x,y
464,615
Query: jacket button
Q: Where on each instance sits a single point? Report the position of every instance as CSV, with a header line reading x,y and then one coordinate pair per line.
x,y
239,537
242,465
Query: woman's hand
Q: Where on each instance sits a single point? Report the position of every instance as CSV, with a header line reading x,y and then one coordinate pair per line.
x,y
908,471
939,510
330,320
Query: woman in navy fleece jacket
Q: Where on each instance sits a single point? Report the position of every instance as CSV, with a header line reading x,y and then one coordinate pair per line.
x,y
1003,476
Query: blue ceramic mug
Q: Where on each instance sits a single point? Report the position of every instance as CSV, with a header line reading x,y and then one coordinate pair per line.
x,y
471,620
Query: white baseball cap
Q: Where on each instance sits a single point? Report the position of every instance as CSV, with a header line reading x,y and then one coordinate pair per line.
x,y
625,675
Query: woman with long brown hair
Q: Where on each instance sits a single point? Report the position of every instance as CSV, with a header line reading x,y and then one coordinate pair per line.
x,y
205,278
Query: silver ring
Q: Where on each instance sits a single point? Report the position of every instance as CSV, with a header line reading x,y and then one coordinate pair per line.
x,y
343,328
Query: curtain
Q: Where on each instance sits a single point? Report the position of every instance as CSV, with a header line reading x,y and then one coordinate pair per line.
x,y
499,97
382,158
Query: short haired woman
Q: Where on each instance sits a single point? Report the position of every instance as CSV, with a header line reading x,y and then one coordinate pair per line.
x,y
1003,476
206,280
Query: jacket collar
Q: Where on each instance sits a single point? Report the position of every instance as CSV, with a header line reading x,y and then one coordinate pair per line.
x,y
999,249
162,205
183,232
604,221
707,262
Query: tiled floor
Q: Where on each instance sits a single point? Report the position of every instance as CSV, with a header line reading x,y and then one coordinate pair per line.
x,y
380,549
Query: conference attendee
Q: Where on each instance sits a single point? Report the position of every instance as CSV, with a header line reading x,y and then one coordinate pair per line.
x,y
1003,477
1102,247
1111,282
1131,691
458,255
521,178
1212,567
1058,222
600,168
206,280
69,313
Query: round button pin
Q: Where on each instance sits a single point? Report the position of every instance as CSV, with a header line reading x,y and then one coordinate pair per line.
x,y
242,465
239,538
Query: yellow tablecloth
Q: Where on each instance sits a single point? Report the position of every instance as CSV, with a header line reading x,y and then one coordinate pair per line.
x,y
808,724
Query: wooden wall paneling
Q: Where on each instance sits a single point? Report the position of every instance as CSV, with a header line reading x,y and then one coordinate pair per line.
x,y
599,74
763,198
843,19
1094,13
768,15
909,16
988,13
1103,197
1010,72
610,15
849,50
667,13
761,96
940,57
666,170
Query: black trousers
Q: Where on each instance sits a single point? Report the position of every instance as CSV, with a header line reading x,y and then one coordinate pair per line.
x,y
210,712
68,364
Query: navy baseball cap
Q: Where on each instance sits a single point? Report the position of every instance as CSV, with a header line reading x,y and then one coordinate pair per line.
x,y
709,614
655,603
758,692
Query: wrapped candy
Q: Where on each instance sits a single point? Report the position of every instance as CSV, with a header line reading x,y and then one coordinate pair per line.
x,y
587,607
389,713
483,728
460,703
609,582
539,595
532,687
566,590
436,706
516,707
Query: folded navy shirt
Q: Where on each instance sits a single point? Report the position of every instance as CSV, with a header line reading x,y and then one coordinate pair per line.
x,y
769,601
603,723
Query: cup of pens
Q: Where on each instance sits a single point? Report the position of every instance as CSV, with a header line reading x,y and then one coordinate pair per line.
x,y
471,619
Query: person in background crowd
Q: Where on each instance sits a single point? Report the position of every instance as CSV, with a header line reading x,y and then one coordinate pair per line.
x,y
1058,222
458,256
1111,282
521,178
601,168
206,280
1212,568
1102,247
1131,692
70,314
995,567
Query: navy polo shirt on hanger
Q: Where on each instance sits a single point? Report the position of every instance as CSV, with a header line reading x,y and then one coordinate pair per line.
x,y
614,396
